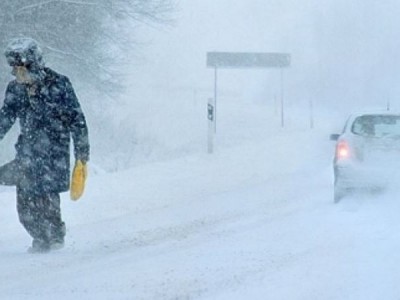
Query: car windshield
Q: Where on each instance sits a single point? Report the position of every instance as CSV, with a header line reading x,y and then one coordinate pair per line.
x,y
377,126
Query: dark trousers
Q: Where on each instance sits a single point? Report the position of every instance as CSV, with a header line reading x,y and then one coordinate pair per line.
x,y
39,212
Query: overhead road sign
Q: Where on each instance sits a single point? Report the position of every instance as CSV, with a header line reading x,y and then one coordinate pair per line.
x,y
247,60
243,60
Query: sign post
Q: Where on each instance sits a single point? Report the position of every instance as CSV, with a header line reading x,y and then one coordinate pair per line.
x,y
282,103
311,115
215,99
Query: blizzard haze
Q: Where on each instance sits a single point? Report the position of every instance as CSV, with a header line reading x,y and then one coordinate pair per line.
x,y
343,60
163,219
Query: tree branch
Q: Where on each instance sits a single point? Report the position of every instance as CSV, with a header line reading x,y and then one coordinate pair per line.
x,y
36,5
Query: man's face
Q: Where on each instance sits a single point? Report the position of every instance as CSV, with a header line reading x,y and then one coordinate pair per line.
x,y
21,74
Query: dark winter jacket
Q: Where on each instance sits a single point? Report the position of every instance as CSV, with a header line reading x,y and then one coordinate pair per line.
x,y
49,114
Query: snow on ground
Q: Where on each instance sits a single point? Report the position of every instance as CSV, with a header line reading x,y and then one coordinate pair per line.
x,y
255,220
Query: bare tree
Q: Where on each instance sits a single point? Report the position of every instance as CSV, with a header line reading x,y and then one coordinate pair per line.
x,y
85,38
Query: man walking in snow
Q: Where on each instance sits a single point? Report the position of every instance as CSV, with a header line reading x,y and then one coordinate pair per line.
x,y
49,113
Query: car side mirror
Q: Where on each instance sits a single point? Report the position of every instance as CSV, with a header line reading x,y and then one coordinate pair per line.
x,y
334,136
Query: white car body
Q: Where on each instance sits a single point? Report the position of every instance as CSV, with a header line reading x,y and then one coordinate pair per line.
x,y
367,152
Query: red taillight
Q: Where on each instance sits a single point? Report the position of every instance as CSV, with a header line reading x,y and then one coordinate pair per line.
x,y
342,150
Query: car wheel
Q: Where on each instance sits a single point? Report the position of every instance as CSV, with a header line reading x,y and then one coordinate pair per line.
x,y
339,191
338,194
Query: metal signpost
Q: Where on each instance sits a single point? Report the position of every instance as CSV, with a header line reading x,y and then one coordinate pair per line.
x,y
245,60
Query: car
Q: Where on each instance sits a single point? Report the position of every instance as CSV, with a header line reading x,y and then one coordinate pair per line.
x,y
367,153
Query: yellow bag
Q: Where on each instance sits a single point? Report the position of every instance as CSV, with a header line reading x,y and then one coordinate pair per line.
x,y
78,180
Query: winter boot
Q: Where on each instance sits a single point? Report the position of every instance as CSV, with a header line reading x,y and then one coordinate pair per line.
x,y
39,246
56,243
57,236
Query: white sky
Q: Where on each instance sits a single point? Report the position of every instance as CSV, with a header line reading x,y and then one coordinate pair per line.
x,y
342,52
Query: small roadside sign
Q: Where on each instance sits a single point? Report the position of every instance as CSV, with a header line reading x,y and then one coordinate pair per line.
x,y
211,124
210,112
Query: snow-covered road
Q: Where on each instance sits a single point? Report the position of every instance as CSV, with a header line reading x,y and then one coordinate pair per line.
x,y
256,221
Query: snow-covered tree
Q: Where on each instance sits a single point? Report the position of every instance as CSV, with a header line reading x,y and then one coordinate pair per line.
x,y
91,41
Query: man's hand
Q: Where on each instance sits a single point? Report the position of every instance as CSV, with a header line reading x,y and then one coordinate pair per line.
x,y
78,180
